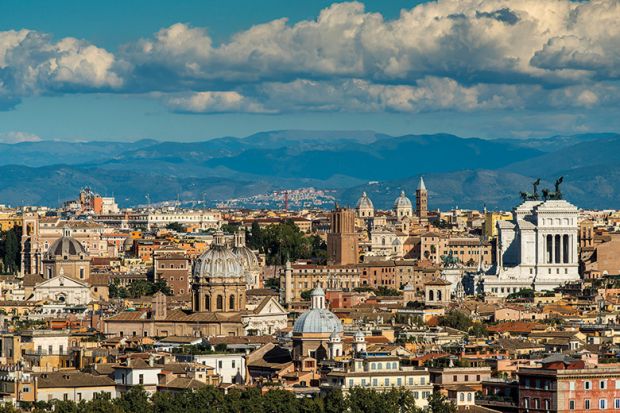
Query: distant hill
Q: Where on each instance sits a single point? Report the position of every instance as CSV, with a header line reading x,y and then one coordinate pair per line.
x,y
464,172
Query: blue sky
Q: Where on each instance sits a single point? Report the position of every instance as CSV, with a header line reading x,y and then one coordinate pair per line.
x,y
190,70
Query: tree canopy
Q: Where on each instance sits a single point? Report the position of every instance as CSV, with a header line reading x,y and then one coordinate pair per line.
x,y
212,400
10,251
283,241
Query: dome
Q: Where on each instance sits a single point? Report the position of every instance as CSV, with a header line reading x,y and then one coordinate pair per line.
x,y
402,201
318,320
66,246
218,261
246,256
317,292
364,202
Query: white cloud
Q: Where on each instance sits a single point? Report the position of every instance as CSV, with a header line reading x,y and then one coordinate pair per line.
x,y
17,137
32,63
213,102
443,55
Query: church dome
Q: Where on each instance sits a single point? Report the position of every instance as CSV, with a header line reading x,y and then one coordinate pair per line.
x,y
402,201
364,202
218,261
246,256
66,246
318,319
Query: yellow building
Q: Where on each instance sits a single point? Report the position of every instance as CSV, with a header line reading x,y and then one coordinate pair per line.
x,y
9,219
490,223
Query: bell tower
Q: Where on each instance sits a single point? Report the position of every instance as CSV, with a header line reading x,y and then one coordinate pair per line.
x,y
421,201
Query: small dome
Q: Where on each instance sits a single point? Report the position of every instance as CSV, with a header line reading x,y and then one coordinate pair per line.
x,y
318,291
218,261
364,202
359,335
318,320
66,246
402,201
246,256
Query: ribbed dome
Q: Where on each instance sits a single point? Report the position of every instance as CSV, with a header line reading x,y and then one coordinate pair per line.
x,y
246,257
402,201
218,261
66,246
318,320
364,202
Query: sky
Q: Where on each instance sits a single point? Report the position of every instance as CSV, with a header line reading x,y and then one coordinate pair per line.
x,y
194,70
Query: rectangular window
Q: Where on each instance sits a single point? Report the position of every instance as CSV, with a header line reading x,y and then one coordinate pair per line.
x,y
219,364
422,381
602,404
386,382
350,382
586,404
571,386
399,381
233,364
571,405
375,382
411,381
587,385
141,379
603,384
536,403
617,404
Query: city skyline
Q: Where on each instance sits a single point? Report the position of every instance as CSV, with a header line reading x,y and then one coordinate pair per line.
x,y
202,70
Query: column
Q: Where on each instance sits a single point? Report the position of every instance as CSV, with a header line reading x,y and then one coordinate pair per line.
x,y
561,249
552,249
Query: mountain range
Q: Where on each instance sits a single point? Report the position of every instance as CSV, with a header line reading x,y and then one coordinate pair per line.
x,y
463,172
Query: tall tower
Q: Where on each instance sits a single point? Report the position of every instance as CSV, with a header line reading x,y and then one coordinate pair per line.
x,y
342,246
421,201
288,284
31,254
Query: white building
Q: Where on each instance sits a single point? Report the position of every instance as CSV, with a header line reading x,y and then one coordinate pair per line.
x,y
62,289
230,366
536,249
382,374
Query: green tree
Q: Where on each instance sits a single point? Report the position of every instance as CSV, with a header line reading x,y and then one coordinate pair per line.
x,y
456,319
10,250
136,400
526,293
254,238
438,403
175,226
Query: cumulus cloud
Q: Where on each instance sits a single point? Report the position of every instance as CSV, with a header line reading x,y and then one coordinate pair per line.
x,y
32,63
213,102
443,55
18,137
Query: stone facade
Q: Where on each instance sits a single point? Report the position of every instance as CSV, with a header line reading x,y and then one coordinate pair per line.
x,y
537,249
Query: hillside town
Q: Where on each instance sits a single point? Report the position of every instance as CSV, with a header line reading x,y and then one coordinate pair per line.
x,y
479,311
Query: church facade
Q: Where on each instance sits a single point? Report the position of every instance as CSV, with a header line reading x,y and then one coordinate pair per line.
x,y
537,249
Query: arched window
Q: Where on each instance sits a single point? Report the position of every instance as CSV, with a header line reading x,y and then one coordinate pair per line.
x,y
231,302
431,295
220,302
462,397
438,295
207,302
